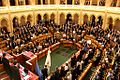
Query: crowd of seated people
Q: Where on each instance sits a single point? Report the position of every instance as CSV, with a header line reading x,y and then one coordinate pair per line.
x,y
13,68
22,35
37,45
113,73
109,39
71,70
103,37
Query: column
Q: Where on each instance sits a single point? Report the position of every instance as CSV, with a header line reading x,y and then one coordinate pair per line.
x,y
105,21
72,14
0,23
57,16
108,3
10,23
32,2
34,18
7,3
41,2
90,2
57,2
81,18
4,3
9,17
98,2
24,2
48,2
117,4
66,2
16,2
48,16
73,2
82,2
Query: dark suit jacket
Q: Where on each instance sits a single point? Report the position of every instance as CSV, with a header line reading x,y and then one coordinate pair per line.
x,y
5,63
44,71
7,66
15,72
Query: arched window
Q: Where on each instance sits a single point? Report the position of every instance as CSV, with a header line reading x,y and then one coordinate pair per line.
x,y
45,17
45,1
52,18
22,20
76,2
69,1
76,18
85,19
102,2
118,4
38,18
29,19
69,19
62,19
87,2
100,21
117,24
12,2
110,23
15,22
37,2
52,2
62,1
4,23
1,4
113,3
92,20
21,2
27,2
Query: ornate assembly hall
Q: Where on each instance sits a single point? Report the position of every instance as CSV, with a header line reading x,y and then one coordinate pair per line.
x,y
59,39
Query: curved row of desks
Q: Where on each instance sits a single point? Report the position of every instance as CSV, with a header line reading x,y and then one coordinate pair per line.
x,y
31,58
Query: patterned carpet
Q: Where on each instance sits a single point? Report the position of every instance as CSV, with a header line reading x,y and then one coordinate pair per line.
x,y
58,57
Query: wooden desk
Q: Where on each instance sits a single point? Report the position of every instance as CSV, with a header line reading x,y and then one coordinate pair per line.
x,y
27,54
31,75
85,72
66,43
78,46
44,52
93,41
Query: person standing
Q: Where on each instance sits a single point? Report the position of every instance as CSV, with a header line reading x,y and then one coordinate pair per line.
x,y
15,72
6,65
45,72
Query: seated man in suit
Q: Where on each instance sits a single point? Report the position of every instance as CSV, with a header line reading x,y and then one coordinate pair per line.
x,y
6,65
